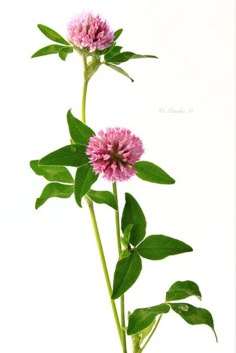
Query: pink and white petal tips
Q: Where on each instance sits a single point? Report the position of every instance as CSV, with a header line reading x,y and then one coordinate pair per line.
x,y
113,152
90,32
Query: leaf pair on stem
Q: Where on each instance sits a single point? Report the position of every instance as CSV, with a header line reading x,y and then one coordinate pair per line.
x,y
112,57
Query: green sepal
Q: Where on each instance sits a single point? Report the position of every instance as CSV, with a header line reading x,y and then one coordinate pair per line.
x,y
103,197
126,273
158,247
49,49
92,67
127,232
142,318
119,70
71,155
79,132
52,173
138,337
133,214
84,179
193,315
150,172
51,34
183,289
54,190
124,253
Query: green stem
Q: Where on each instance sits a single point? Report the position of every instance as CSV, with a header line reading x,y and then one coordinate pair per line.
x,y
84,93
117,218
94,221
122,298
104,266
151,334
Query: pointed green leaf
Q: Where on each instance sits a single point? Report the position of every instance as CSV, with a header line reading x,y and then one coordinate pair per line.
x,y
52,173
54,190
181,290
79,132
49,49
51,34
142,318
84,179
193,315
140,56
64,52
150,172
126,273
119,70
71,155
133,214
127,55
105,197
157,247
114,50
117,33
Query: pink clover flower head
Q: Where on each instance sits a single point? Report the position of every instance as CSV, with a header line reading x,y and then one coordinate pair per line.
x,y
90,32
113,153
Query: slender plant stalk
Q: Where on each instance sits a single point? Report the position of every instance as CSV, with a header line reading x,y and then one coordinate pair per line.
x,y
151,334
94,221
117,218
84,93
122,298
104,265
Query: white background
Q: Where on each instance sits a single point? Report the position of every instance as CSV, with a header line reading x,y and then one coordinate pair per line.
x,y
52,295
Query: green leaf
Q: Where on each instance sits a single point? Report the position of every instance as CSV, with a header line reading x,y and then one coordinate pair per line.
x,y
157,247
193,315
117,33
133,214
140,56
105,197
126,273
121,57
150,172
142,318
114,50
51,34
181,290
71,155
84,179
127,55
54,190
119,70
64,52
79,132
50,49
52,173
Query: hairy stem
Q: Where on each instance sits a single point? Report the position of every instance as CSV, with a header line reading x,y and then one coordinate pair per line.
x,y
104,265
122,298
